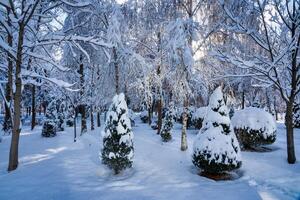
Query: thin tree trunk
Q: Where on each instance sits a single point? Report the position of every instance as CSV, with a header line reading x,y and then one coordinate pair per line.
x,y
290,134
184,145
159,115
75,128
243,100
7,124
149,117
92,119
83,120
82,106
275,109
117,75
33,110
14,147
98,119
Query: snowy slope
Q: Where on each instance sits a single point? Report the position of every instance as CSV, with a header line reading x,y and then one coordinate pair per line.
x,y
57,168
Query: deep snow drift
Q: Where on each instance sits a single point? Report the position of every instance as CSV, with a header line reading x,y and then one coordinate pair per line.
x,y
58,168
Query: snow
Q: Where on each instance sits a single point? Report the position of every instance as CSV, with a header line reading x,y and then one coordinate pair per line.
x,y
200,113
57,168
255,119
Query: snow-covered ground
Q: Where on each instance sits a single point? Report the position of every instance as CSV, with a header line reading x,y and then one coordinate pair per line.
x,y
58,168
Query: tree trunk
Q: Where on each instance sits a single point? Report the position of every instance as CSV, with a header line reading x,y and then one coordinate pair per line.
x,y
33,110
243,100
82,106
117,75
290,133
98,119
159,115
83,120
7,124
149,117
75,128
14,147
92,119
184,145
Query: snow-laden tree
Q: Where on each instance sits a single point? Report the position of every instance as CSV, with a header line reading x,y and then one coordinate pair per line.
x,y
274,56
32,30
179,46
117,152
216,148
168,122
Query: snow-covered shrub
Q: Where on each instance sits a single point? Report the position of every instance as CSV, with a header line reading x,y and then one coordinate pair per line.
x,y
216,148
154,125
60,122
117,152
198,117
49,126
296,117
168,124
144,116
70,117
254,127
70,122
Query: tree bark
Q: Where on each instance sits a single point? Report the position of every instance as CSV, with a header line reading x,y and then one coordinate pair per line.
x,y
117,75
7,124
14,147
243,100
159,113
149,117
92,119
82,106
75,134
184,145
98,119
33,110
290,134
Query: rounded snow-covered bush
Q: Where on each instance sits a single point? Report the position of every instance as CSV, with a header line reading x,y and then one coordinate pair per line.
x,y
296,118
49,129
216,148
144,116
154,125
198,117
168,124
117,152
254,127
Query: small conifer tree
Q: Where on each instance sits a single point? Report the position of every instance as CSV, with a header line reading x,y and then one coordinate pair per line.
x,y
117,152
168,124
216,148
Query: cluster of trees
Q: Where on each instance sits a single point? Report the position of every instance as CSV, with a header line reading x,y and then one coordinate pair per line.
x,y
70,52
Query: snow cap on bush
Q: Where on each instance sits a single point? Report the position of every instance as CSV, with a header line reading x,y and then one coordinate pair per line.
x,y
254,127
255,119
